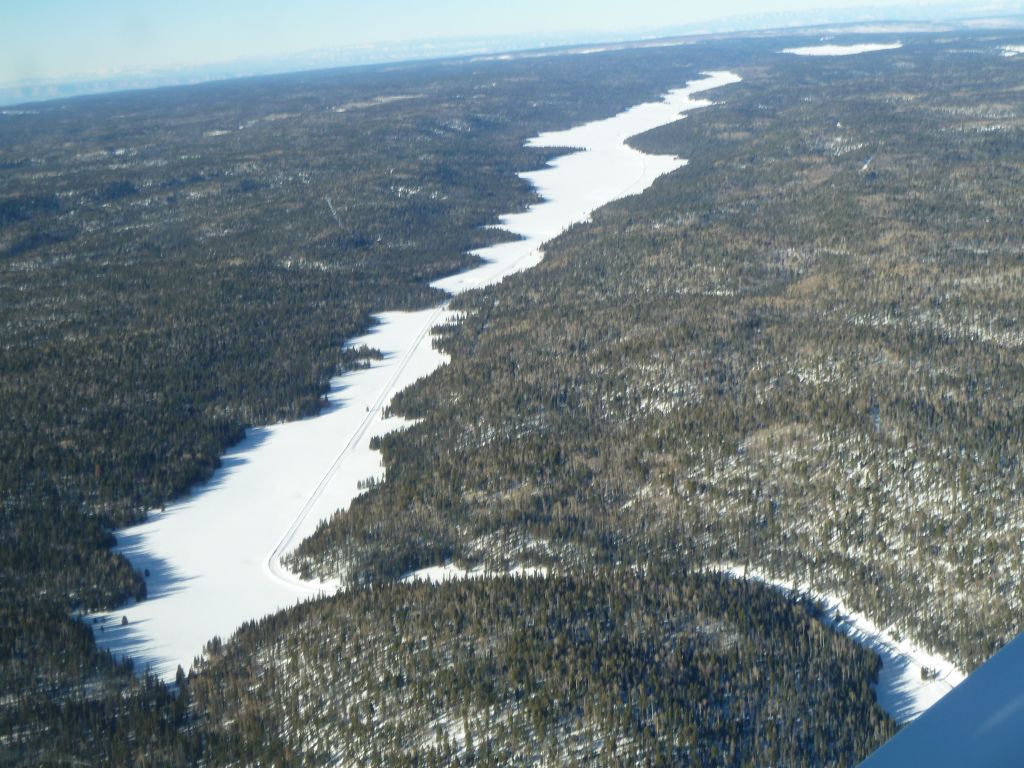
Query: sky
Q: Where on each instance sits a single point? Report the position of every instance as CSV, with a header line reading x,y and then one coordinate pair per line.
x,y
65,40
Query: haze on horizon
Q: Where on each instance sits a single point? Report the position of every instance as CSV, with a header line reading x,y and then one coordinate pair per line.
x,y
61,47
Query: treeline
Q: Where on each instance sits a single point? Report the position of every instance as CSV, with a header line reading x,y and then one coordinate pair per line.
x,y
609,667
801,352
614,666
64,703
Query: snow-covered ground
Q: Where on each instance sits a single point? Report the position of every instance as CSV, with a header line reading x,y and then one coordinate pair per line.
x,y
1012,50
901,690
979,724
439,574
842,50
213,558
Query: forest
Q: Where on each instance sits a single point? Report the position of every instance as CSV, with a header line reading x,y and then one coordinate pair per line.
x,y
802,352
178,265
610,667
799,352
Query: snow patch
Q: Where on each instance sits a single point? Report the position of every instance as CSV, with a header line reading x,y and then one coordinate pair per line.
x,y
439,574
842,50
1010,51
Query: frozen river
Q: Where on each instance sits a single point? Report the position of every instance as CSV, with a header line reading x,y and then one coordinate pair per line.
x,y
213,557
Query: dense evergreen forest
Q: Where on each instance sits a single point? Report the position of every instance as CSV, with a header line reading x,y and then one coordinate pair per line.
x,y
798,352
612,667
801,352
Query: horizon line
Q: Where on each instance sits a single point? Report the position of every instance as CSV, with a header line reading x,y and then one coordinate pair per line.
x,y
480,47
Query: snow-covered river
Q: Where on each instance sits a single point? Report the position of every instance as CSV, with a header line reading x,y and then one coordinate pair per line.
x,y
213,557
912,678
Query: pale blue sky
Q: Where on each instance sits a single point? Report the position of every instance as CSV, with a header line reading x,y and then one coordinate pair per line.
x,y
64,39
